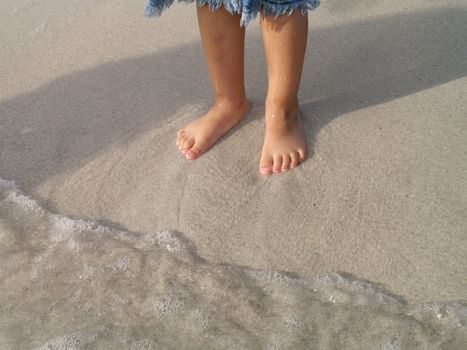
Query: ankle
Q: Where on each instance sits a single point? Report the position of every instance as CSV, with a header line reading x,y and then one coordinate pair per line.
x,y
236,103
280,109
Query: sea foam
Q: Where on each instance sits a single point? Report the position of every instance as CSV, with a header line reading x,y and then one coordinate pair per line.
x,y
76,284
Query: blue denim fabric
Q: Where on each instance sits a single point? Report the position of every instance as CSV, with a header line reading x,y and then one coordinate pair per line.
x,y
248,9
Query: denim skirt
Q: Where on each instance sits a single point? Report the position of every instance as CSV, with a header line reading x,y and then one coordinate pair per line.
x,y
248,9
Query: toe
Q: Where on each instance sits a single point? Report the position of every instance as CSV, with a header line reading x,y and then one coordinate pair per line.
x,y
187,144
193,153
180,142
181,138
302,153
265,165
294,159
277,163
286,160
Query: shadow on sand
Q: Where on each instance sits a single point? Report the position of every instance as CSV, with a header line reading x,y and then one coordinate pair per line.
x,y
348,67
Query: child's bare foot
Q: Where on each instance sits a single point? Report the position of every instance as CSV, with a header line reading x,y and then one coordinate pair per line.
x,y
284,144
199,135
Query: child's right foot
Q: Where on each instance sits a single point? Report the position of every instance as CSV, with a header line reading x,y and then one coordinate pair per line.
x,y
284,144
199,135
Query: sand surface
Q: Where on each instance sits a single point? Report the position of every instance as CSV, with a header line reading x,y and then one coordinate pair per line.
x,y
93,94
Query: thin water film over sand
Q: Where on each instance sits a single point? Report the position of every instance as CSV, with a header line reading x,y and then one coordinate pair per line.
x,y
77,284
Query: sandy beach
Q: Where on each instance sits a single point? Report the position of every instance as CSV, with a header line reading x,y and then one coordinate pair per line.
x,y
93,94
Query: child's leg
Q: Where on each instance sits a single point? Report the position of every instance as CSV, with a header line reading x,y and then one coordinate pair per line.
x,y
284,46
223,44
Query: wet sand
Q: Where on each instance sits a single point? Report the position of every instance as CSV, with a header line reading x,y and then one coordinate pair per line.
x,y
93,94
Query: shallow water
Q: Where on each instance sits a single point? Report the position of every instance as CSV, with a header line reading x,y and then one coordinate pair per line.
x,y
77,284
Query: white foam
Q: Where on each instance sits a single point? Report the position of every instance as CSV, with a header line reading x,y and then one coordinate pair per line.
x,y
153,291
143,344
72,341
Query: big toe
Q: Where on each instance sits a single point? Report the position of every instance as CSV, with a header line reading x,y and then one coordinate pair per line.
x,y
193,153
265,165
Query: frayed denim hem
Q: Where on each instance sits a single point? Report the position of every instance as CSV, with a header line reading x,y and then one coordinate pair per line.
x,y
248,9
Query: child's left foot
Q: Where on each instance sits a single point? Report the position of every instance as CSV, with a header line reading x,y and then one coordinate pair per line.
x,y
284,144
